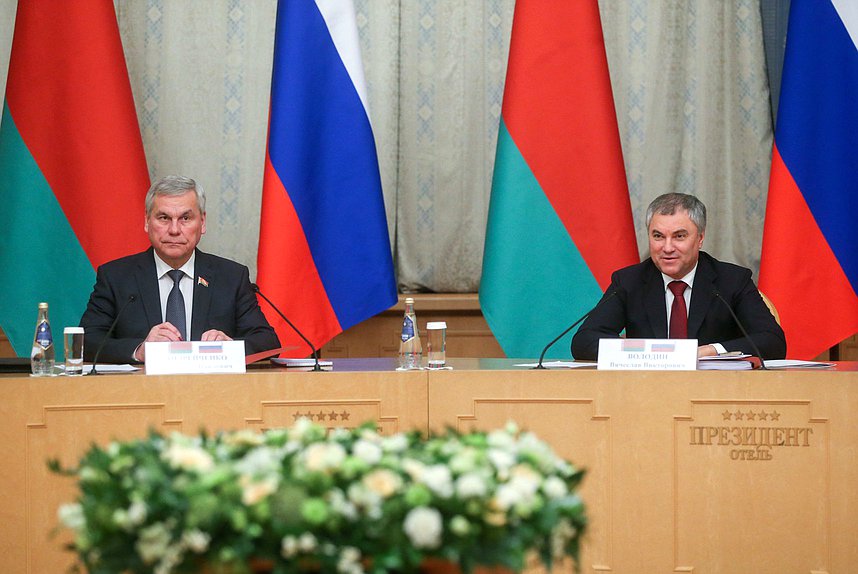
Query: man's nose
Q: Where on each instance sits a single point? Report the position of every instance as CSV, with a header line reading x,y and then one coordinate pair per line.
x,y
173,227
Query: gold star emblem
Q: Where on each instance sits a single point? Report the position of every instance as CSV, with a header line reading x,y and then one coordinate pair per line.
x,y
321,416
727,415
751,415
763,415
332,416
739,415
344,415
775,415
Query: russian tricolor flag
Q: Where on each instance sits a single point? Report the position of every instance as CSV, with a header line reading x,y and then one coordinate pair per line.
x,y
324,249
809,266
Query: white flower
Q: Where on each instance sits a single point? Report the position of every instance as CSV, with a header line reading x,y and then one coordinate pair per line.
x,y
289,546
507,496
464,461
349,562
307,542
72,516
340,505
439,480
189,457
501,439
254,490
127,519
383,482
321,457
471,485
362,497
300,429
501,459
367,451
423,527
395,443
554,487
260,461
153,542
196,540
414,468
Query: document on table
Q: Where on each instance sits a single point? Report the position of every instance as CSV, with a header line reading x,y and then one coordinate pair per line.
x,y
795,364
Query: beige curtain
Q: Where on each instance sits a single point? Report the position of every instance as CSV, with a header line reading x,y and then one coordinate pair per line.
x,y
689,85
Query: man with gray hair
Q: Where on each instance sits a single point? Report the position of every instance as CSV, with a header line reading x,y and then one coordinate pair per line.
x,y
173,291
681,292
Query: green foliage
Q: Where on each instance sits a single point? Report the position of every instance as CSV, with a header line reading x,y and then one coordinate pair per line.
x,y
346,501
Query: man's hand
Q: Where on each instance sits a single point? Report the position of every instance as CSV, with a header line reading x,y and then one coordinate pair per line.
x,y
162,332
706,351
215,335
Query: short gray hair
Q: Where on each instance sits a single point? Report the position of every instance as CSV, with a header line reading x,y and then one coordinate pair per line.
x,y
668,203
175,185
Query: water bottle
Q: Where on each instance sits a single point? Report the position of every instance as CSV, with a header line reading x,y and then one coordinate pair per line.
x,y
43,357
410,349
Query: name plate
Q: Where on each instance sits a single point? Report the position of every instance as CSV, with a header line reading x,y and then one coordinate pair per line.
x,y
187,357
647,354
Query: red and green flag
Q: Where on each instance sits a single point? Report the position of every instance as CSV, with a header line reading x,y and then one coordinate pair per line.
x,y
560,218
73,173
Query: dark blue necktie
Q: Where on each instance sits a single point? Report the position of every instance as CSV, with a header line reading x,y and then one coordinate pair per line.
x,y
176,304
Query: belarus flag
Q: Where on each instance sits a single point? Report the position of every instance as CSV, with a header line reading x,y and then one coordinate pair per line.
x,y
72,170
809,264
560,219
324,250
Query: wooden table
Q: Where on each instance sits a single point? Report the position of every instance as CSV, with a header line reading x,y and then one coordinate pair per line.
x,y
704,472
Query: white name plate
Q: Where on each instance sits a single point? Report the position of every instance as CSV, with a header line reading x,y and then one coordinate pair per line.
x,y
186,357
647,354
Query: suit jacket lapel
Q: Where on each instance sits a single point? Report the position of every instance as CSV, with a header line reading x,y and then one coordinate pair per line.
x,y
147,283
202,295
654,301
701,295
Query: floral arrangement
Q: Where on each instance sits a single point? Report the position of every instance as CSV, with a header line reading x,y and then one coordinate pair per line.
x,y
306,498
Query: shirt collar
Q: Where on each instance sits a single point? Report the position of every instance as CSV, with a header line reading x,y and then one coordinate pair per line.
x,y
688,279
161,268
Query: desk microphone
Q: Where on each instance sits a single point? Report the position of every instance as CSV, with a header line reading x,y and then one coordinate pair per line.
x,y
317,366
93,371
572,326
742,327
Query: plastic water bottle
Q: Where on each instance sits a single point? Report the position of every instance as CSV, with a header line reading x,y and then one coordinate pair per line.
x,y
410,349
43,356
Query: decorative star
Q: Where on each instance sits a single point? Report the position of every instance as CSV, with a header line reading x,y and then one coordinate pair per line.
x,y
332,416
309,415
345,415
320,416
296,416
751,415
775,415
727,415
763,415
739,415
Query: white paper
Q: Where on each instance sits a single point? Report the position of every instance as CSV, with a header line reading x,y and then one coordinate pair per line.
x,y
794,363
300,362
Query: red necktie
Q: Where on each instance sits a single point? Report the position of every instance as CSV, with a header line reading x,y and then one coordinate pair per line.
x,y
678,311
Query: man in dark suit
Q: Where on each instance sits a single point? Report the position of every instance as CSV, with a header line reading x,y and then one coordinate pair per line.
x,y
173,291
641,300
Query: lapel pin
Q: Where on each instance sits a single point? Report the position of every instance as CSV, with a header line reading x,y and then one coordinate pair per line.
x,y
202,281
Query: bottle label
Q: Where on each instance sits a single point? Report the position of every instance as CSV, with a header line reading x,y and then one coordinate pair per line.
x,y
407,328
43,335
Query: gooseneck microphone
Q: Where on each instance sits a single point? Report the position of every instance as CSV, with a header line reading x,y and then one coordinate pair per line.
x,y
570,327
316,366
742,328
93,371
